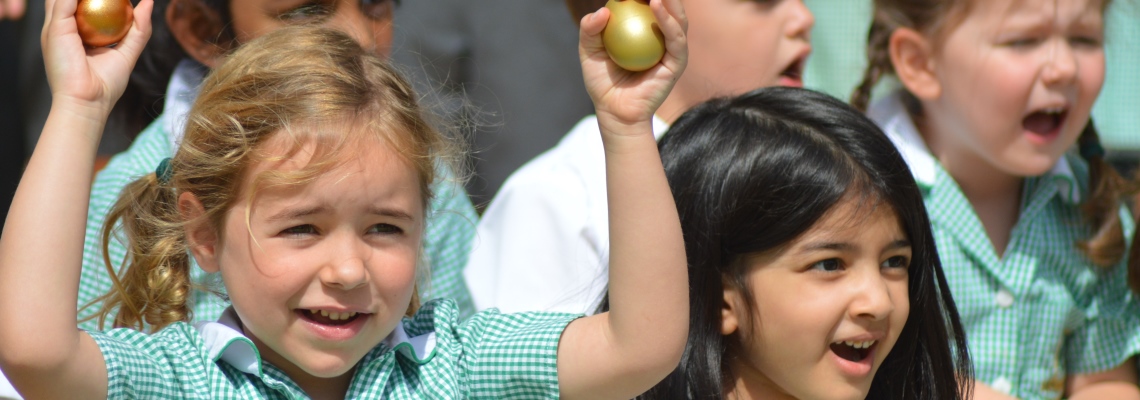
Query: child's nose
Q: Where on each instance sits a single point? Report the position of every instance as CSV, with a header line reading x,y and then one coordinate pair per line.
x,y
347,267
350,20
872,297
1061,66
801,20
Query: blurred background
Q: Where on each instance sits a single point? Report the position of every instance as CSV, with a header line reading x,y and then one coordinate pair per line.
x,y
504,73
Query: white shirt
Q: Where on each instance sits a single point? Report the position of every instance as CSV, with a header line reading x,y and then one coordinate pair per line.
x,y
543,243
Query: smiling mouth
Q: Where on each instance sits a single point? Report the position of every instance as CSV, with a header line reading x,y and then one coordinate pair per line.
x,y
322,317
853,351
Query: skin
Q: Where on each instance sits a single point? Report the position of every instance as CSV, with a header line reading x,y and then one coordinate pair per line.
x,y
738,46
346,242
845,279
197,27
1004,61
616,355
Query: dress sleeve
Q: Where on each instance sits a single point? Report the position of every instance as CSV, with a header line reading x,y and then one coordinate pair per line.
x,y
1111,333
512,355
166,365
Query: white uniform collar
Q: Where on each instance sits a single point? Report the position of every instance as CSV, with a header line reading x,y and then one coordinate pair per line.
x,y
659,127
224,340
180,95
892,117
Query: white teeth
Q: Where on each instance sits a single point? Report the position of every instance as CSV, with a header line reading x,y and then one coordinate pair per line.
x,y
859,344
1053,110
335,316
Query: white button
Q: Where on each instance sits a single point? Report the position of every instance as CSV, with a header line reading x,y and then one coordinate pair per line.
x,y
1004,298
1002,385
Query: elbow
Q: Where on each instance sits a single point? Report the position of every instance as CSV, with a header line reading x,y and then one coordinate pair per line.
x,y
30,358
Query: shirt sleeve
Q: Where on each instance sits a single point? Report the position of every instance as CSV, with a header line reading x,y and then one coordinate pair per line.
x,y
534,248
512,355
447,241
166,365
1112,331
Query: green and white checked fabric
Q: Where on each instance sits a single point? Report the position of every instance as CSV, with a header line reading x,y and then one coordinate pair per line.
x,y
447,238
490,356
1042,311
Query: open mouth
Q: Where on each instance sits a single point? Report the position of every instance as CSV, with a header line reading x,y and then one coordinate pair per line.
x,y
323,317
853,351
793,75
1045,123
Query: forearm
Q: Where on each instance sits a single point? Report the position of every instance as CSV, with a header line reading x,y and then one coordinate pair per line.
x,y
41,248
1117,383
648,317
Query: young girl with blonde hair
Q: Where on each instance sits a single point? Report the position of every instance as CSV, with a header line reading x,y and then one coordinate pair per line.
x,y
304,180
993,120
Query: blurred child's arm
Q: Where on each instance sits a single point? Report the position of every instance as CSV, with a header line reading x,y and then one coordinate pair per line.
x,y
622,353
1117,383
41,350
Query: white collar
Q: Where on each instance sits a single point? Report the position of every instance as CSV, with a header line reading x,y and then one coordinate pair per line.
x,y
224,340
659,127
180,95
892,117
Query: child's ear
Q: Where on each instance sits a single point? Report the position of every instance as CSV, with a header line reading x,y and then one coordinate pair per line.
x,y
201,235
730,311
198,29
913,59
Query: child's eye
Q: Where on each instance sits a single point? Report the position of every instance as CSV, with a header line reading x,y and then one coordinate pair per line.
x,y
307,11
300,230
384,229
1086,41
378,9
828,265
1022,43
896,262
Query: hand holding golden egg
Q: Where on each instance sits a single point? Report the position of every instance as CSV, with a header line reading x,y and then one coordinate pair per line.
x,y
632,38
103,22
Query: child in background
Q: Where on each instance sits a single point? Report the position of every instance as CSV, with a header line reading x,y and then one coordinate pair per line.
x,y
304,179
995,95
543,243
192,36
812,268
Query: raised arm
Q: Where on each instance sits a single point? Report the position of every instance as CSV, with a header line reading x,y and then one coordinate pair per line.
x,y
622,353
41,249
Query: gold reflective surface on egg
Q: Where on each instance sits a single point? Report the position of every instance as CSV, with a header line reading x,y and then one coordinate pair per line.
x,y
103,22
632,38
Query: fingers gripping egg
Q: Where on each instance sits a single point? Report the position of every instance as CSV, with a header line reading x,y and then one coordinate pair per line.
x,y
632,38
103,22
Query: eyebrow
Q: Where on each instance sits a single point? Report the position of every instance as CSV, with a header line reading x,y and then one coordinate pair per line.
x,y
845,246
296,213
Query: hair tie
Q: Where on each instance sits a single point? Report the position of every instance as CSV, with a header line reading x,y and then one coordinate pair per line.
x,y
1091,149
164,171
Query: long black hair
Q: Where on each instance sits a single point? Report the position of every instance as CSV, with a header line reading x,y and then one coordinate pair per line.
x,y
754,172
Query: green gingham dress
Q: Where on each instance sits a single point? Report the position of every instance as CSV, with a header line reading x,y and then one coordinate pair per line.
x,y
429,356
447,237
1042,311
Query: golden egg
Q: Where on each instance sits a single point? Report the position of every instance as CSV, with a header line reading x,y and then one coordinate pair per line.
x,y
103,22
632,38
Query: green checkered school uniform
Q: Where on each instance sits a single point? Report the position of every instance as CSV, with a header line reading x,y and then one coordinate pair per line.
x,y
1043,310
447,237
429,356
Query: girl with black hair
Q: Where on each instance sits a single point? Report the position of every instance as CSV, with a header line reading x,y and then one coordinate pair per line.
x,y
812,269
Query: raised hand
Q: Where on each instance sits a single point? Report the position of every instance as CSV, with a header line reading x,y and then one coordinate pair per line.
x,y
89,77
632,97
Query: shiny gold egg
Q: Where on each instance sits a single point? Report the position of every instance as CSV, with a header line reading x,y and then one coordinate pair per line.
x,y
632,38
103,22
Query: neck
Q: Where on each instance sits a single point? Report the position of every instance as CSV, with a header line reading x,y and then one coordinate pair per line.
x,y
748,383
675,105
317,388
994,194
